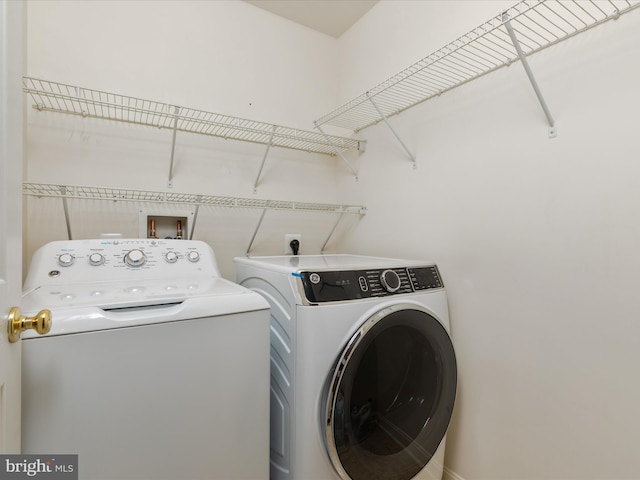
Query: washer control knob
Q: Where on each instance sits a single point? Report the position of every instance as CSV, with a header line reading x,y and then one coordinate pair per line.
x,y
390,281
193,256
135,258
66,260
96,259
171,257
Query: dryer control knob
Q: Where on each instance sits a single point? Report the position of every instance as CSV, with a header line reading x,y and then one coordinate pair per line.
x,y
193,256
390,281
171,257
135,258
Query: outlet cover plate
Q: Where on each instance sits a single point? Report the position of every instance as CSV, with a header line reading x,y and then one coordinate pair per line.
x,y
288,237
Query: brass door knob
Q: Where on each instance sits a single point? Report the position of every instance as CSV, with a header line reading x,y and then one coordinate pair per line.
x,y
18,323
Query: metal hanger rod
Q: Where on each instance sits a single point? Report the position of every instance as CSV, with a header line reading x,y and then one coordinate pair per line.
x,y
413,158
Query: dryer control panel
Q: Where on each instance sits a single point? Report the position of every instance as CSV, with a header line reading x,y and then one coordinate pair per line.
x,y
336,286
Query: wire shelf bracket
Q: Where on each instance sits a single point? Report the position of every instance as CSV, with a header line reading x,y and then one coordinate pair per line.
x,y
65,207
173,147
553,131
339,153
324,245
264,159
195,217
386,121
255,233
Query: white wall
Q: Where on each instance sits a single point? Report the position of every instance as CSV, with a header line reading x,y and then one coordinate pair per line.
x,y
537,239
222,56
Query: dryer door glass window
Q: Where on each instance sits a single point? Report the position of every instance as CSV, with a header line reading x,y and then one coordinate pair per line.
x,y
391,396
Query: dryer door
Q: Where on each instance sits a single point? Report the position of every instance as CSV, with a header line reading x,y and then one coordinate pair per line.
x,y
391,395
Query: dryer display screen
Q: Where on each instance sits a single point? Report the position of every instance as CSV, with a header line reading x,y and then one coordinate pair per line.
x,y
336,286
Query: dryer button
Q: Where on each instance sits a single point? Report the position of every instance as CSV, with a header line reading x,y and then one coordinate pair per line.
x,y
363,284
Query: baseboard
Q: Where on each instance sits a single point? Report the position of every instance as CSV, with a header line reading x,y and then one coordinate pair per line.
x,y
449,474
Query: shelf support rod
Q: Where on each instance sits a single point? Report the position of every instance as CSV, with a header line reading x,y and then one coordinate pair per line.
x,y
264,211
338,152
63,193
553,132
411,155
264,159
173,145
324,245
195,217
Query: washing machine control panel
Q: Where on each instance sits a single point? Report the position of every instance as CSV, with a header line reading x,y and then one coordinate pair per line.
x,y
335,286
120,260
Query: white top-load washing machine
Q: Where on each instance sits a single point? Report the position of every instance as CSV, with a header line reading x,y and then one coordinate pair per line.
x,y
363,370
155,367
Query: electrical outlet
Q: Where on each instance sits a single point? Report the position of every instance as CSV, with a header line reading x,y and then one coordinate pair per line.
x,y
287,242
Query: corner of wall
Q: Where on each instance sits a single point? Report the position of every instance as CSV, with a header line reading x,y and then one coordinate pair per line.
x,y
449,474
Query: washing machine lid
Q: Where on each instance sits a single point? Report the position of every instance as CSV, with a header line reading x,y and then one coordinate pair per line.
x,y
109,296
98,284
390,397
78,308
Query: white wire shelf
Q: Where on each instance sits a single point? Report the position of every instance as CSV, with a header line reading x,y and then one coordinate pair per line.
x,y
86,102
538,25
121,194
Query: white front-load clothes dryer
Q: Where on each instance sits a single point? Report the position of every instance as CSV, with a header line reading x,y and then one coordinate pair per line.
x,y
363,370
155,367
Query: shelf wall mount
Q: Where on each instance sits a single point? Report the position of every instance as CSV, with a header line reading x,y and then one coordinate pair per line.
x,y
339,153
395,134
553,131
264,159
173,146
